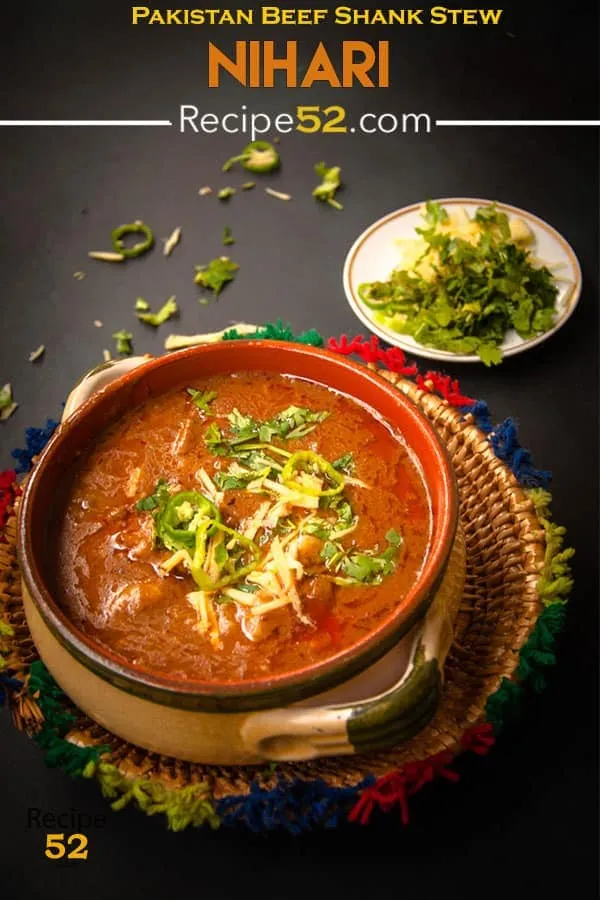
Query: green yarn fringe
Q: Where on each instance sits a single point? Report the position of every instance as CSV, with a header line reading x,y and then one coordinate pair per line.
x,y
58,752
277,331
554,586
184,806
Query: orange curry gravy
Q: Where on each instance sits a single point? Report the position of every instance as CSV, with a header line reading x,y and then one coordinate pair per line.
x,y
110,581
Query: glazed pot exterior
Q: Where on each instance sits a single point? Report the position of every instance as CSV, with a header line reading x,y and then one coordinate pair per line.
x,y
394,678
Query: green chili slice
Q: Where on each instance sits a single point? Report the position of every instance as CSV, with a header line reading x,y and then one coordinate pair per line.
x,y
259,156
119,233
203,581
183,516
305,461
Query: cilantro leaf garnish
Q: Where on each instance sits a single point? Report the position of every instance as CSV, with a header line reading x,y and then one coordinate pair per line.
x,y
202,399
344,464
155,500
289,424
216,274
362,566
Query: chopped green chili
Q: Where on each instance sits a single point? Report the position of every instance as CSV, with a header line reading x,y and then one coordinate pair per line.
x,y
259,156
308,461
137,227
182,516
203,581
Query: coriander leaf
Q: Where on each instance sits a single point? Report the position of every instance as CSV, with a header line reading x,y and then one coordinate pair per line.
x,y
435,214
344,463
489,354
7,404
156,499
320,528
329,550
393,537
228,237
202,399
166,312
330,183
216,274
123,339
225,193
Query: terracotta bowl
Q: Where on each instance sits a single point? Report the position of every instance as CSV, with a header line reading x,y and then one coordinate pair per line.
x,y
376,693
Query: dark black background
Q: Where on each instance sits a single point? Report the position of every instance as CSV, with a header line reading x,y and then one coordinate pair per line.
x,y
523,819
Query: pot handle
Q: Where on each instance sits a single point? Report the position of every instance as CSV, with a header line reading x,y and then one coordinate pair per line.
x,y
99,378
379,722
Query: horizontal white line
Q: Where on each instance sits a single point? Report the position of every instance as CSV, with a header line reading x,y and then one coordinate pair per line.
x,y
83,122
594,123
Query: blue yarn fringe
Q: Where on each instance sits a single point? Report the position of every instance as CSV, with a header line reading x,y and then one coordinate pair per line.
x,y
295,806
8,683
35,441
481,415
507,448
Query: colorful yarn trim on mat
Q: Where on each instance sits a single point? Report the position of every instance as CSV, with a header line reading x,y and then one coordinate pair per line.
x,y
297,805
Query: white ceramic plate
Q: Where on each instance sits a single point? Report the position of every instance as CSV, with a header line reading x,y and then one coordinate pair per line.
x,y
375,254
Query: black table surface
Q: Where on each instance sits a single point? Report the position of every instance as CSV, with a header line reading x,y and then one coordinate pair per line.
x,y
524,817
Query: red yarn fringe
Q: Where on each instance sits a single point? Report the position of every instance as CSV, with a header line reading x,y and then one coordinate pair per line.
x,y
395,360
435,382
8,491
396,787
371,352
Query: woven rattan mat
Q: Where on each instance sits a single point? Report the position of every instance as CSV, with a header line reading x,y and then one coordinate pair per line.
x,y
505,552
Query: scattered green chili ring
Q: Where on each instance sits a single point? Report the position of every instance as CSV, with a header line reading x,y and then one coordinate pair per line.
x,y
307,459
119,233
367,292
259,156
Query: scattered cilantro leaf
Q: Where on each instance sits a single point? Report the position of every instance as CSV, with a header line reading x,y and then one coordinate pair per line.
x,y
330,183
166,312
123,339
7,403
225,193
216,274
